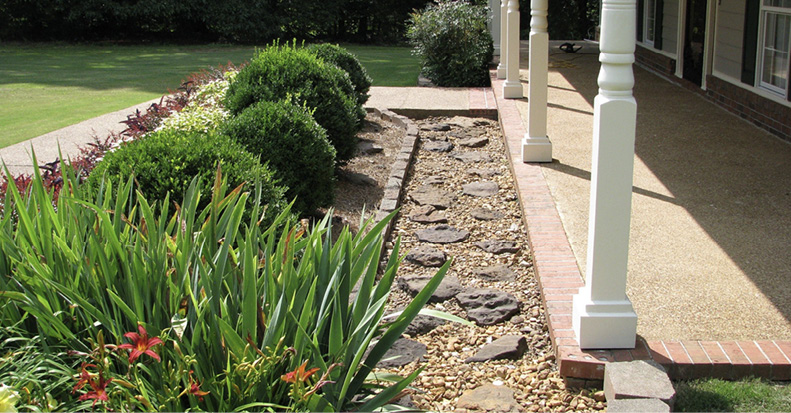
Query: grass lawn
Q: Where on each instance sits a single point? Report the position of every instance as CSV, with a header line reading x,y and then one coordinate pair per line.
x,y
713,395
44,87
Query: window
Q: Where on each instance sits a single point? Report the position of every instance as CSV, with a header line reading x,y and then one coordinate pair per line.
x,y
650,21
775,47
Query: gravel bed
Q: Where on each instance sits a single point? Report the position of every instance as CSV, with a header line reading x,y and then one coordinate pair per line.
x,y
446,376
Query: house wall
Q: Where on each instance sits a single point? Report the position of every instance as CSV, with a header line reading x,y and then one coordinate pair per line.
x,y
765,113
651,59
729,38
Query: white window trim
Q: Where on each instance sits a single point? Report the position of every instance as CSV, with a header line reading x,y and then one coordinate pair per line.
x,y
759,83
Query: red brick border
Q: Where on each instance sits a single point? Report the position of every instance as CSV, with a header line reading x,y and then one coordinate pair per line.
x,y
559,279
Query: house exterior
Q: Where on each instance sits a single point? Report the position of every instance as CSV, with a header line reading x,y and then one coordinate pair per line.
x,y
735,52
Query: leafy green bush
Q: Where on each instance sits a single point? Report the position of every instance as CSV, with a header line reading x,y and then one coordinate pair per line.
x,y
181,310
293,145
348,62
453,43
280,72
165,162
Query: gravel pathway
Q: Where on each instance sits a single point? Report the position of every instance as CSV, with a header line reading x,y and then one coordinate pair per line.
x,y
460,203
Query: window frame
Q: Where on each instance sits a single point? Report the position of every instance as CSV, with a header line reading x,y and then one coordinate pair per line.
x,y
762,32
649,28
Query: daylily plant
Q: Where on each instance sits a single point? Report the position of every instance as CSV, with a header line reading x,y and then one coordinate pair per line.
x,y
97,382
141,344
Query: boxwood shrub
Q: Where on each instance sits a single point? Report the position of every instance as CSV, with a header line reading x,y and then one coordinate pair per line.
x,y
279,72
452,42
166,161
348,62
293,145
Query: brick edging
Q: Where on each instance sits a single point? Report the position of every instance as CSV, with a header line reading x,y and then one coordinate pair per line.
x,y
559,278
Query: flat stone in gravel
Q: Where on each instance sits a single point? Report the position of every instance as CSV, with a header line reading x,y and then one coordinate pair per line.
x,y
427,214
428,195
437,127
367,147
485,214
482,188
493,273
488,398
357,178
497,246
488,307
437,146
463,122
474,142
447,289
471,157
422,324
403,352
427,256
638,379
483,173
442,234
434,180
506,347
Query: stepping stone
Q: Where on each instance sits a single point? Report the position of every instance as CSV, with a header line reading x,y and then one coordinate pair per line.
x,y
427,214
437,146
434,180
640,379
506,347
471,157
488,307
427,256
436,127
428,195
483,173
403,352
485,214
462,122
474,142
367,147
488,398
482,188
637,406
442,234
422,324
460,134
494,273
447,289
498,246
356,178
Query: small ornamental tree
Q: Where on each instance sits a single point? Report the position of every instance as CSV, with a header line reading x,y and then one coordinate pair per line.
x,y
452,42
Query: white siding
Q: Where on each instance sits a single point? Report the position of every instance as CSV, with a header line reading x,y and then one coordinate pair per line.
x,y
730,34
670,26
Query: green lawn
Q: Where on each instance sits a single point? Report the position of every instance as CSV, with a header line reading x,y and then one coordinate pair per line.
x,y
44,87
713,395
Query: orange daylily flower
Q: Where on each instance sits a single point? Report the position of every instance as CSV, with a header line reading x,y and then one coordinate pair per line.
x,y
98,385
141,344
299,374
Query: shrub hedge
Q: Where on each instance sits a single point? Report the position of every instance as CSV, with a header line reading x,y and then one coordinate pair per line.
x,y
165,162
293,145
282,72
453,43
348,62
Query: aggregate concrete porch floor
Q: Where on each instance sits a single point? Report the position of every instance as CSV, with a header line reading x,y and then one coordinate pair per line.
x,y
710,248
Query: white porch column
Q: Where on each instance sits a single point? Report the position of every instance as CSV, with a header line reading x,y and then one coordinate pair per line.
x,y
536,146
512,87
503,38
494,24
603,316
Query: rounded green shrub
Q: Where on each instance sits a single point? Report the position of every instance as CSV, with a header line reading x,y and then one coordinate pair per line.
x,y
166,162
453,43
293,145
283,72
348,62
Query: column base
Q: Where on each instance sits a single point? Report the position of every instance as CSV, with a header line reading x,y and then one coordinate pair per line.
x,y
536,149
513,90
501,69
604,324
